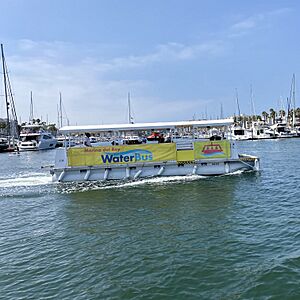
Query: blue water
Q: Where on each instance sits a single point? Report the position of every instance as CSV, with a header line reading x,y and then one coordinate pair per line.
x,y
228,237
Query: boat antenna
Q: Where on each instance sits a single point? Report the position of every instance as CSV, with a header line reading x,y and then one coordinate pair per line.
x,y
237,101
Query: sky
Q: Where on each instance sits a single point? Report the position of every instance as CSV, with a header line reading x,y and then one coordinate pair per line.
x,y
179,59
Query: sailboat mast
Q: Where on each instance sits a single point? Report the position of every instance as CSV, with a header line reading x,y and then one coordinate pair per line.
x,y
31,108
294,99
5,90
237,101
129,110
252,101
57,107
60,109
222,112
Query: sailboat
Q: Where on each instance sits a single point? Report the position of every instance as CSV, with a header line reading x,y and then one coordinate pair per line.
x,y
7,140
131,139
62,140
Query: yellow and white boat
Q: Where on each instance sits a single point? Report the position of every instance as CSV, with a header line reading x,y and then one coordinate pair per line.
x,y
191,155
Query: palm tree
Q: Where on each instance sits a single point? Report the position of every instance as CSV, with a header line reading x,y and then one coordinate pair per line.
x,y
258,118
282,113
273,114
265,115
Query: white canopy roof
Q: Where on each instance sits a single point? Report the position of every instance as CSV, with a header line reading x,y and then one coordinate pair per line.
x,y
145,126
32,126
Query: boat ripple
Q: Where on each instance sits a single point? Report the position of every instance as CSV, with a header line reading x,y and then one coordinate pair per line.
x,y
117,184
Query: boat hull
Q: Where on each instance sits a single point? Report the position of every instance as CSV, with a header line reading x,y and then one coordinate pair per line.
x,y
3,148
33,146
171,168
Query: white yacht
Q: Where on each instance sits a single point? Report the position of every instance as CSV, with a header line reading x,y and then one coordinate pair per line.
x,y
35,137
239,133
281,130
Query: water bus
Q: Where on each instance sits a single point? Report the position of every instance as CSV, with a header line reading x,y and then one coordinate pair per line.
x,y
190,155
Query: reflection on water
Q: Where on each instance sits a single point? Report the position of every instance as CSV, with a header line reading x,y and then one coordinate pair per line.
x,y
181,237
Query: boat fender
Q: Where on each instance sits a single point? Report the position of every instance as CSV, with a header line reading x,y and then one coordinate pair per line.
x,y
106,174
195,169
160,171
227,168
256,165
127,173
61,176
137,174
87,175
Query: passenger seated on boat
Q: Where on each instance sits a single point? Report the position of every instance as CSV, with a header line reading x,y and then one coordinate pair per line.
x,y
215,138
168,139
161,138
87,141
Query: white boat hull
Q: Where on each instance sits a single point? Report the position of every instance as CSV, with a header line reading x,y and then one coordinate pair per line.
x,y
34,146
120,172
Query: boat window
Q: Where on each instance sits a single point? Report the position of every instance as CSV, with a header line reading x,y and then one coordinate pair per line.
x,y
29,138
239,132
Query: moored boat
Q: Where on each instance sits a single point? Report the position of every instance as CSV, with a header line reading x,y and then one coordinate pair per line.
x,y
167,157
35,137
3,144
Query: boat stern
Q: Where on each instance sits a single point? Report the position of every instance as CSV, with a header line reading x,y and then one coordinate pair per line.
x,y
253,162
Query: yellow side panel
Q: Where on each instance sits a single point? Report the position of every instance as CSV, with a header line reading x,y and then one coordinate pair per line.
x,y
212,149
110,155
185,155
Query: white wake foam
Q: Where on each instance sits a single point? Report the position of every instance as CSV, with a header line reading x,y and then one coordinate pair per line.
x,y
32,179
157,181
238,172
98,185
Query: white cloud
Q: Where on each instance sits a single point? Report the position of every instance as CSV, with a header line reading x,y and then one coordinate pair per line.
x,y
171,52
249,23
245,24
89,95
